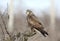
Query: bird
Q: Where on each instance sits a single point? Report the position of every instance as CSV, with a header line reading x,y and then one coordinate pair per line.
x,y
34,23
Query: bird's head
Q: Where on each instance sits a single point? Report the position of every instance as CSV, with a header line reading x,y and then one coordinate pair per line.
x,y
28,12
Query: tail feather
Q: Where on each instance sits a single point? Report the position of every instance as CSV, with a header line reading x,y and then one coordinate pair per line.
x,y
43,32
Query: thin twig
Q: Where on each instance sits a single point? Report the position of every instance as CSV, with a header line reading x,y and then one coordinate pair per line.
x,y
2,32
5,26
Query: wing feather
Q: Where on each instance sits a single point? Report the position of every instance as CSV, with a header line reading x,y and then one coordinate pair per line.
x,y
33,22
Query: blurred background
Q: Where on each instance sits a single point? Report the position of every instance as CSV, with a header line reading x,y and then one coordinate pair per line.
x,y
42,9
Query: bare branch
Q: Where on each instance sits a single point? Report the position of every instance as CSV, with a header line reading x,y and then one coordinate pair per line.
x,y
2,32
5,25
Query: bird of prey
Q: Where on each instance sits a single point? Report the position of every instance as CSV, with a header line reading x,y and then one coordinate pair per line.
x,y
34,23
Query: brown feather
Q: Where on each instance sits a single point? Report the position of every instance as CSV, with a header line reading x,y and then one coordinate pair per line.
x,y
34,23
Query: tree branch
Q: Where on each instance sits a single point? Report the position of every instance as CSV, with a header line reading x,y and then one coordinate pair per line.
x,y
5,26
2,32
